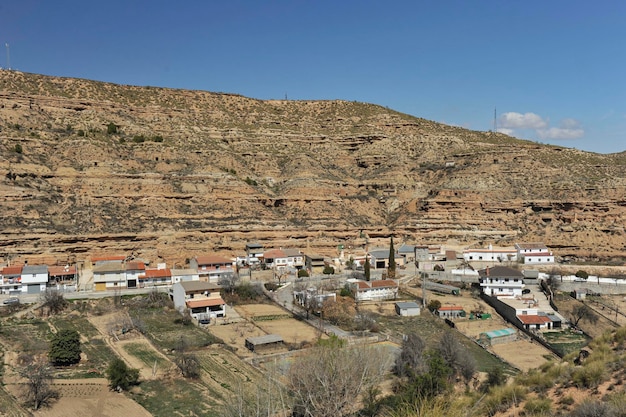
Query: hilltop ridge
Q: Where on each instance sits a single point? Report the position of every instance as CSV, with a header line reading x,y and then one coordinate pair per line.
x,y
93,167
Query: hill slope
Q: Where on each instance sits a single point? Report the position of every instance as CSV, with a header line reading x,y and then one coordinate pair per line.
x,y
93,167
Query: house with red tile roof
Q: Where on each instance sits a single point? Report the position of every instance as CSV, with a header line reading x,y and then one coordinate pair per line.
x,y
384,289
212,268
155,277
450,312
11,279
534,321
202,299
133,270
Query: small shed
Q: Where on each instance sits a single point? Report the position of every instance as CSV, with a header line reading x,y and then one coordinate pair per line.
x,y
450,312
264,343
496,337
408,308
442,288
581,293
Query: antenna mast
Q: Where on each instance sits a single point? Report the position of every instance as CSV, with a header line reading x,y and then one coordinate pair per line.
x,y
495,121
8,56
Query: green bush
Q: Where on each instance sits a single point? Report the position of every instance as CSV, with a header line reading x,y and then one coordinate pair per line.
x,y
18,148
589,376
328,270
582,274
65,348
538,406
139,139
112,128
120,376
302,273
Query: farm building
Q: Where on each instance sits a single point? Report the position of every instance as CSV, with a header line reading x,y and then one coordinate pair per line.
x,y
407,308
264,343
496,337
442,288
450,312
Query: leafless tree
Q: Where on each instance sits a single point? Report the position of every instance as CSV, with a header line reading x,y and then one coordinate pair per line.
x,y
328,380
38,383
262,400
52,301
229,282
583,312
457,357
411,358
187,362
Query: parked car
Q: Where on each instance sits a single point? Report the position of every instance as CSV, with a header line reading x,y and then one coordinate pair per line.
x,y
11,301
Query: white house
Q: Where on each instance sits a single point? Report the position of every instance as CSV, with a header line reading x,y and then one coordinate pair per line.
x,y
385,289
501,281
180,275
254,253
34,278
534,254
490,254
295,258
202,299
133,270
408,308
212,267
109,276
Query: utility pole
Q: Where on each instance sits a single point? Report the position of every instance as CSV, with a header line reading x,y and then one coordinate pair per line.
x,y
495,121
8,56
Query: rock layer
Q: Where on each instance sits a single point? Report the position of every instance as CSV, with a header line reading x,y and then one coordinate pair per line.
x,y
91,168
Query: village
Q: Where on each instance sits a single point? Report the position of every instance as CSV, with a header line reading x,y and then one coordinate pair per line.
x,y
500,298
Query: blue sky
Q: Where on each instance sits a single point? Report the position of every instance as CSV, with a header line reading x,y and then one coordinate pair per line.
x,y
554,70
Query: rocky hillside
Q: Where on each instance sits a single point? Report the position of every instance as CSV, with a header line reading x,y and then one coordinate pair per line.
x,y
91,168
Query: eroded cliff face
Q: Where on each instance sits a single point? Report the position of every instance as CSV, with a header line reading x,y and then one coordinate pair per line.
x,y
91,168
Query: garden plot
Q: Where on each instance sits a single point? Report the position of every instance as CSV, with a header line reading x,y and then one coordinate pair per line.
x,y
523,354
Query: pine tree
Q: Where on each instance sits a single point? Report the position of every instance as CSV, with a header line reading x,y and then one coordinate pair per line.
x,y
366,268
391,271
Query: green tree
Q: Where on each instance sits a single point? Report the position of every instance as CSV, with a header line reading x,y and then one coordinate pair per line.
x,y
582,274
111,128
366,268
65,348
18,148
328,270
120,376
391,270
302,273
433,305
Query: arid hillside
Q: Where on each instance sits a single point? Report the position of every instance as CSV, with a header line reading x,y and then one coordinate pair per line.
x,y
91,168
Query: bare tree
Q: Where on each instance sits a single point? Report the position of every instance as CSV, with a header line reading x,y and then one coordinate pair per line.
x,y
461,362
328,380
187,362
262,400
583,312
38,382
411,358
229,282
52,301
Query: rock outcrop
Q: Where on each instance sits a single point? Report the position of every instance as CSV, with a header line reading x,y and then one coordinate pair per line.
x,y
91,168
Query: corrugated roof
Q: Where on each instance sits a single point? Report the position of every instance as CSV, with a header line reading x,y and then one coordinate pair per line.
x,y
500,333
59,270
407,304
191,286
262,340
35,269
384,283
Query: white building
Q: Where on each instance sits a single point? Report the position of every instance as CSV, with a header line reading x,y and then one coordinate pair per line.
x,y
202,299
34,279
534,254
385,289
490,255
501,281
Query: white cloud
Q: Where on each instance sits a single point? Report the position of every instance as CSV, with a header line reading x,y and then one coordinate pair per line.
x,y
506,131
514,120
560,133
568,129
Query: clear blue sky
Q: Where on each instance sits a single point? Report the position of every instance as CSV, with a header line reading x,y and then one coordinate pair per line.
x,y
555,70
